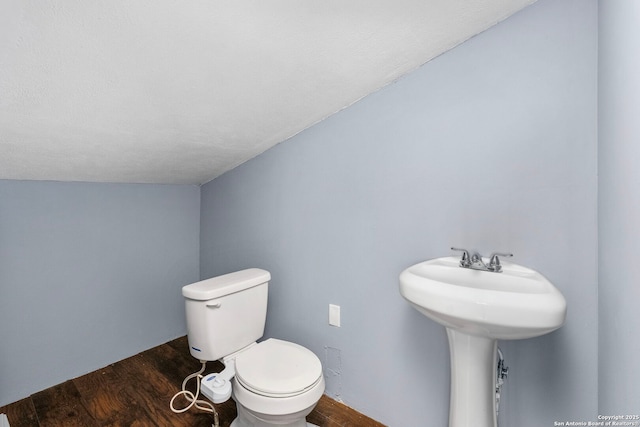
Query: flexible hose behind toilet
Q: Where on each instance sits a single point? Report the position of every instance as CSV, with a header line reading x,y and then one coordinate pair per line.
x,y
203,405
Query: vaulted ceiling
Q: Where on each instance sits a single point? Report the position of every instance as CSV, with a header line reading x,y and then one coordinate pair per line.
x,y
172,91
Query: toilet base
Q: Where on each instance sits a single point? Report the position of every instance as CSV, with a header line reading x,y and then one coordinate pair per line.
x,y
234,424
247,419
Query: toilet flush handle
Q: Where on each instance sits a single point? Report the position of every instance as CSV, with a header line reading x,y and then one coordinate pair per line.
x,y
214,304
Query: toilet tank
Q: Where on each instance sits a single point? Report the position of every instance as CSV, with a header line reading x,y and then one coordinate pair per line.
x,y
226,313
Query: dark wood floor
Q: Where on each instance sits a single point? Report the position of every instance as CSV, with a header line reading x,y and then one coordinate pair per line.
x,y
136,392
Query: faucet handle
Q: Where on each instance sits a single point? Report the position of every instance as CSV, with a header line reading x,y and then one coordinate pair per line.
x,y
494,261
465,261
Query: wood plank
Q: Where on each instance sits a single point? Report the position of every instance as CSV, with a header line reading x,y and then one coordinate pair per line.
x,y
21,413
349,416
180,344
330,413
320,416
107,398
61,405
153,392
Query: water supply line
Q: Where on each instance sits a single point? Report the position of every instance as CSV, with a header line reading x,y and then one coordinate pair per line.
x,y
501,374
203,405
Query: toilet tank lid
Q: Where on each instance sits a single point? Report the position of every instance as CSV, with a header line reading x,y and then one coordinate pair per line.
x,y
226,284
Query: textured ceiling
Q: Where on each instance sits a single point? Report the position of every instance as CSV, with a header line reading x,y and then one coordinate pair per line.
x,y
173,91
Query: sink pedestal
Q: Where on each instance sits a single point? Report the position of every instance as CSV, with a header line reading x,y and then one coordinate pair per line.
x,y
473,380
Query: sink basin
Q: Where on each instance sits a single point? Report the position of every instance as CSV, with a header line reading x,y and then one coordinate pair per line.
x,y
516,303
478,308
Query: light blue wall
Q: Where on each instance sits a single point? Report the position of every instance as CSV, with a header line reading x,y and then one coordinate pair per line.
x,y
89,274
619,206
490,146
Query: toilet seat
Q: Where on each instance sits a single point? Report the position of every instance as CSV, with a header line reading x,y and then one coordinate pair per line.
x,y
276,368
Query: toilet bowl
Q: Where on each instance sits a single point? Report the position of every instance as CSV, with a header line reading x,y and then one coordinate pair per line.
x,y
276,383
273,382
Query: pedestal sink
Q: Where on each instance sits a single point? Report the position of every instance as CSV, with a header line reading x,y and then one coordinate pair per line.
x,y
478,308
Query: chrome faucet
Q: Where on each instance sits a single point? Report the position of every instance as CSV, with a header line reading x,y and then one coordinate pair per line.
x,y
494,261
465,261
475,261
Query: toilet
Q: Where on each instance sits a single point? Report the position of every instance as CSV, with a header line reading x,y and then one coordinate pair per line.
x,y
273,382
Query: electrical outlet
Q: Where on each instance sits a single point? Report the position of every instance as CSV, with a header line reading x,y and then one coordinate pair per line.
x,y
334,315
